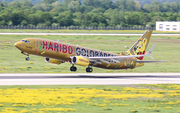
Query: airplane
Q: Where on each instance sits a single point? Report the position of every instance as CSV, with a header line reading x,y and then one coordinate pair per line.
x,y
57,52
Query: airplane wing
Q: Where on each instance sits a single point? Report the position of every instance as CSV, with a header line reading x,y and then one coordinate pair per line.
x,y
150,61
116,57
119,58
113,58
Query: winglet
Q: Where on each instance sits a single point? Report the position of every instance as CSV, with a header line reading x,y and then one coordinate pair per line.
x,y
150,51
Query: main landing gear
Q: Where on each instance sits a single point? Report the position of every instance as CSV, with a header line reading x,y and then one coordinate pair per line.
x,y
89,69
73,68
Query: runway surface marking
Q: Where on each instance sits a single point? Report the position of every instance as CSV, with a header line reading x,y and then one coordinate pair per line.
x,y
89,79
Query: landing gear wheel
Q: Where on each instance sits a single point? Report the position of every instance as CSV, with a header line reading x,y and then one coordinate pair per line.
x,y
72,68
27,58
89,70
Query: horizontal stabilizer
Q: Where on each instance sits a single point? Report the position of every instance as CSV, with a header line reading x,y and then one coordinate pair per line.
x,y
150,51
150,61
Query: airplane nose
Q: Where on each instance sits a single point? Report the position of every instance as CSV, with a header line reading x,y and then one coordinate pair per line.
x,y
17,44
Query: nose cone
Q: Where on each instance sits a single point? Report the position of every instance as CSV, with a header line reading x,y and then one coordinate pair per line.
x,y
18,45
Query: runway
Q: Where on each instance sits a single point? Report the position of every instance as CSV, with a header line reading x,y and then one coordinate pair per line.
x,y
105,34
89,79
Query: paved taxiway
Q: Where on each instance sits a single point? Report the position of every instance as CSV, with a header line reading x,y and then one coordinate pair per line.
x,y
86,34
89,79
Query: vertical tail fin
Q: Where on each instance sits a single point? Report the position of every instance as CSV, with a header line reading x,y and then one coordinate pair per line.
x,y
140,45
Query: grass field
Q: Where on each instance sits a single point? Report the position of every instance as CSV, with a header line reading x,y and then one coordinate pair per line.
x,y
167,49
155,98
83,31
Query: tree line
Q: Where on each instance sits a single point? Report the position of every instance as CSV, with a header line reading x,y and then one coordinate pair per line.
x,y
120,13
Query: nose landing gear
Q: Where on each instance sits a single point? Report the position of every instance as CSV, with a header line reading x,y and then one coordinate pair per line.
x,y
27,58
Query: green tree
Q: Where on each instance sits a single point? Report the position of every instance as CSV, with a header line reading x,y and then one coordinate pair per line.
x,y
152,23
130,5
88,9
15,4
45,16
24,23
37,7
66,2
33,19
46,7
155,6
106,4
4,19
133,19
79,15
165,7
121,4
116,20
137,6
59,9
89,2
86,20
174,17
73,5
98,19
48,1
98,10
145,19
56,4
65,19
17,17
27,3
175,6
147,8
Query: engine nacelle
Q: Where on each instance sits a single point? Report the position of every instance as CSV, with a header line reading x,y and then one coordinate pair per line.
x,y
139,64
53,61
79,60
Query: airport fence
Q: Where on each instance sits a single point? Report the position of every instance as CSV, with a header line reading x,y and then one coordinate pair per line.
x,y
75,28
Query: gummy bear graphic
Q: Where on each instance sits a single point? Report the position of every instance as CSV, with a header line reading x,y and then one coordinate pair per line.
x,y
140,48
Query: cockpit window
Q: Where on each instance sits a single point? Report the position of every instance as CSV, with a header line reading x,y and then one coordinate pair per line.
x,y
27,41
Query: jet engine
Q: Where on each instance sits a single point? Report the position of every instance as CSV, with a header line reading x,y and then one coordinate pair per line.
x,y
79,60
139,64
53,61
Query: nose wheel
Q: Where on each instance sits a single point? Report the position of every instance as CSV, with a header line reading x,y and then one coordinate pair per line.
x,y
27,58
73,68
89,70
